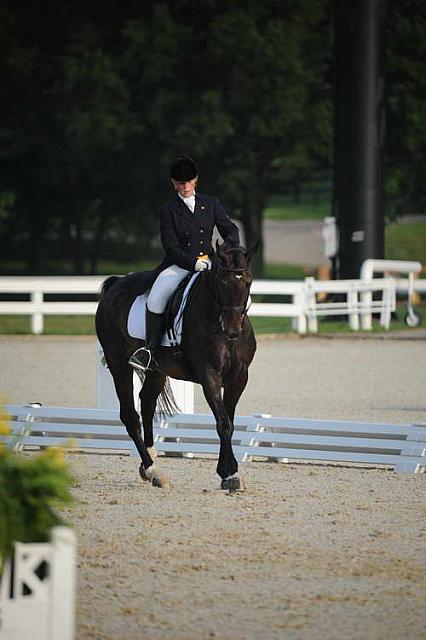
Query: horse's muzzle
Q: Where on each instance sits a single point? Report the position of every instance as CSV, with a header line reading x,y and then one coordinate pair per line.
x,y
231,322
230,338
232,331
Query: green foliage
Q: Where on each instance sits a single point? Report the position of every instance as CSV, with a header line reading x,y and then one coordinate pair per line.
x,y
262,86
31,488
101,96
406,108
97,112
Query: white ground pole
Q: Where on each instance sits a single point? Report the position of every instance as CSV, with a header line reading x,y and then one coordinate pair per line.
x,y
106,397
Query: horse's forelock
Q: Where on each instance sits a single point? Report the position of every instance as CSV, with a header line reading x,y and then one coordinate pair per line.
x,y
241,259
235,257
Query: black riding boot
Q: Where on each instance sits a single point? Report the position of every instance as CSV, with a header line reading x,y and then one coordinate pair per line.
x,y
144,357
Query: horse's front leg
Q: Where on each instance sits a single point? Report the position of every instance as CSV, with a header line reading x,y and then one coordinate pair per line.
x,y
227,466
233,388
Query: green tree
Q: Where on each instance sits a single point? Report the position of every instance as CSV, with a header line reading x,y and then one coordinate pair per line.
x,y
93,129
66,129
100,98
251,99
406,113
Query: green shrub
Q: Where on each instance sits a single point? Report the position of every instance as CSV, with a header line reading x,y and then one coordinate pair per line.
x,y
31,488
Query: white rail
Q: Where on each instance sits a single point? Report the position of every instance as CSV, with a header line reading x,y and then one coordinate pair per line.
x,y
402,446
372,266
37,287
294,309
37,307
348,300
302,306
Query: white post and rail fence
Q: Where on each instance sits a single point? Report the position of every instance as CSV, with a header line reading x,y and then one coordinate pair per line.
x,y
354,299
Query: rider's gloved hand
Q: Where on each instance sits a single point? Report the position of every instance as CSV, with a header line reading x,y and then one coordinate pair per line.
x,y
201,265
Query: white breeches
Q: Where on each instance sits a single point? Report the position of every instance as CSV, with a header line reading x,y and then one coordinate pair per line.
x,y
164,286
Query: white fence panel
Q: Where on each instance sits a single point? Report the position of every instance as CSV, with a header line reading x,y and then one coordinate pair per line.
x,y
40,605
371,266
402,446
302,306
352,303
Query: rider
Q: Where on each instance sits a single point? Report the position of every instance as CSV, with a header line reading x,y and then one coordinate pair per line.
x,y
186,229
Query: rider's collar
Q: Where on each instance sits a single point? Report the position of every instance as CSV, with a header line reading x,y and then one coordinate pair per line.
x,y
190,202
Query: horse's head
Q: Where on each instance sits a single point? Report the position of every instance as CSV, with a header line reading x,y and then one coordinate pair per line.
x,y
233,278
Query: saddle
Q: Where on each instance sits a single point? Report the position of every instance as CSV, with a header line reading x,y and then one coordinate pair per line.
x,y
174,312
176,306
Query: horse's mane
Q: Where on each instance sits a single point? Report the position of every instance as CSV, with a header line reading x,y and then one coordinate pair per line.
x,y
134,283
108,283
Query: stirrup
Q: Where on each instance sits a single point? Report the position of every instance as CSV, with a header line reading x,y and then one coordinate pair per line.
x,y
141,359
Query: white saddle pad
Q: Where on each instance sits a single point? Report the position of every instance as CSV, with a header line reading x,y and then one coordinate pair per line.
x,y
136,319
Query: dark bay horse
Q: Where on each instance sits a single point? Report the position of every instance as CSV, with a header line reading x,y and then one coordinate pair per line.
x,y
217,347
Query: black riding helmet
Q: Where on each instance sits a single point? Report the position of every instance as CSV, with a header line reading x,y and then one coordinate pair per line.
x,y
183,169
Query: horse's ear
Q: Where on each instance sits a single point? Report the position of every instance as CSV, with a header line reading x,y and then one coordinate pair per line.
x,y
250,253
220,250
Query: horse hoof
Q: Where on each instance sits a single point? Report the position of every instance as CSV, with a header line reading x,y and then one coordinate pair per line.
x,y
232,484
161,480
156,477
142,473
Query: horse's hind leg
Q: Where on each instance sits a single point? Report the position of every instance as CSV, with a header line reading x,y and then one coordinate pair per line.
x,y
152,386
123,381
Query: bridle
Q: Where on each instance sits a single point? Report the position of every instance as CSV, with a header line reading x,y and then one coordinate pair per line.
x,y
242,308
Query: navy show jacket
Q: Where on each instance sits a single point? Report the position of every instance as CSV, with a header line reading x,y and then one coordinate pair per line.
x,y
185,235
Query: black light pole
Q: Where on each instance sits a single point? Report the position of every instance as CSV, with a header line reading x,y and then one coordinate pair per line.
x,y
359,132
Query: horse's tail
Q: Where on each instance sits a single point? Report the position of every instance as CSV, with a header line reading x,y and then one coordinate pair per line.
x,y
108,283
166,401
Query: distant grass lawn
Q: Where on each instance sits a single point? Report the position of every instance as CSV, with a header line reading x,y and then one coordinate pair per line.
x,y
53,325
282,271
406,241
309,206
84,325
